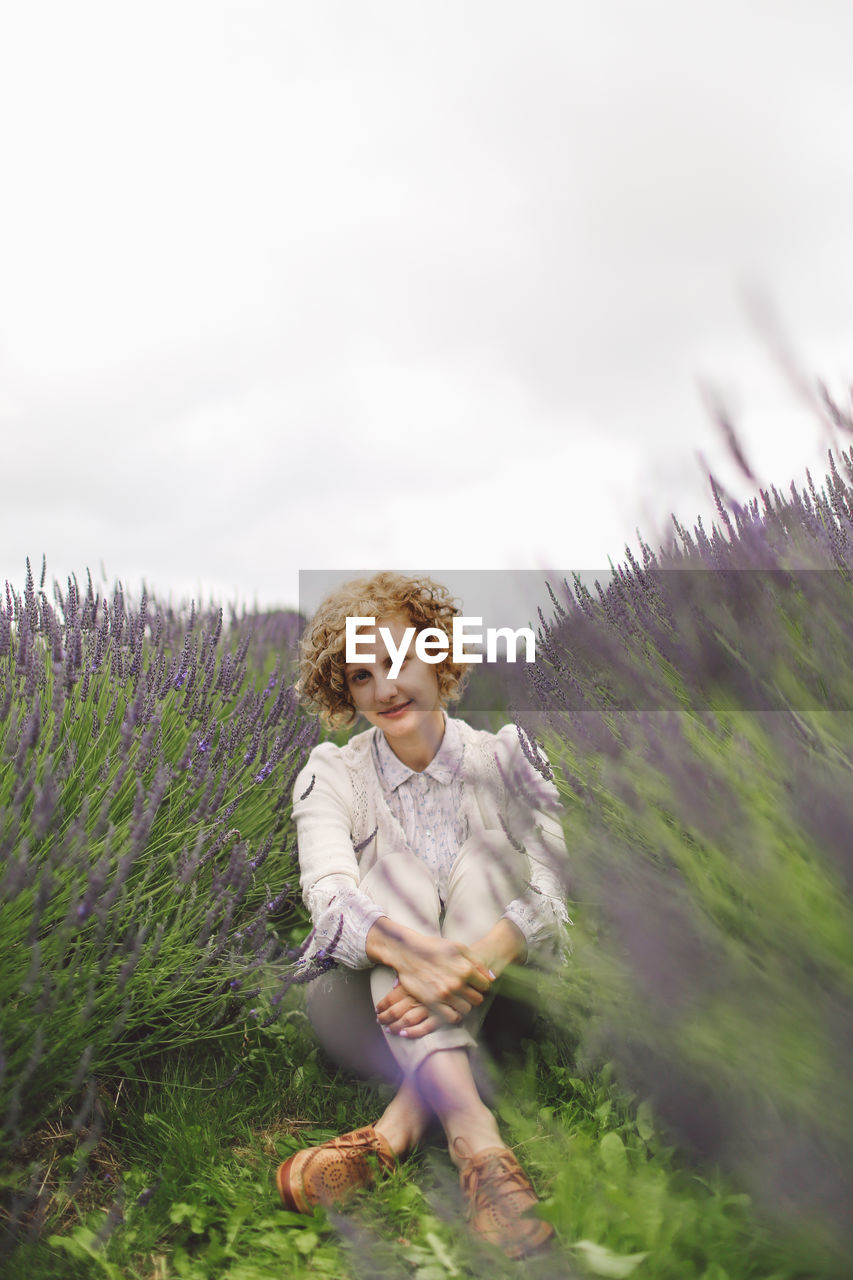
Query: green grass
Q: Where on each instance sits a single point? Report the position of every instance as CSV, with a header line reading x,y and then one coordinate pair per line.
x,y
620,1199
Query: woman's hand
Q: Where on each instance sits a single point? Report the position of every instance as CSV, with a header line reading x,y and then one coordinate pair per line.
x,y
403,1015
434,971
438,981
503,945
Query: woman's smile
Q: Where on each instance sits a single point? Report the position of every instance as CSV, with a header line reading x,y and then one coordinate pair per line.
x,y
394,711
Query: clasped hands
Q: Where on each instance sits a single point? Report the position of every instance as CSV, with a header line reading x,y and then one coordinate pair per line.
x,y
439,981
437,985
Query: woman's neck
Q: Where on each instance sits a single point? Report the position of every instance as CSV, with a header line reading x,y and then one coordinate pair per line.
x,y
417,749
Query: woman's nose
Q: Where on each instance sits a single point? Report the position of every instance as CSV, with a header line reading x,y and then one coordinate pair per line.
x,y
386,688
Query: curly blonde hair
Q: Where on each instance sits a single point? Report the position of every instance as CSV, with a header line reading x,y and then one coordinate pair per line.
x,y
322,679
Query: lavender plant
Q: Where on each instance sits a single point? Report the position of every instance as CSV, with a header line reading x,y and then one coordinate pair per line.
x,y
147,864
697,712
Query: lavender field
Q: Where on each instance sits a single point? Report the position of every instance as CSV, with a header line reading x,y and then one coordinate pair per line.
x,y
685,1106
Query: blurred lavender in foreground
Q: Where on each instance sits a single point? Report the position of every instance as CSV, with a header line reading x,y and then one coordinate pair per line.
x,y
145,787
698,712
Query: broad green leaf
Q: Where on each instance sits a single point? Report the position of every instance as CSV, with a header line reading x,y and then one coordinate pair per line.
x,y
645,1123
306,1241
602,1261
613,1153
83,1244
233,1225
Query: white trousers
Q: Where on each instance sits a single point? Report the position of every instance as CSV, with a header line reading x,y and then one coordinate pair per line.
x,y
487,875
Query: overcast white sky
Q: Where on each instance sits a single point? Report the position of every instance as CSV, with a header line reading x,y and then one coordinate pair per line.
x,y
320,285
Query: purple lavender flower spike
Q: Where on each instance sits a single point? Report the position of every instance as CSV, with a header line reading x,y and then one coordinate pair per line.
x,y
277,903
145,1196
362,844
529,748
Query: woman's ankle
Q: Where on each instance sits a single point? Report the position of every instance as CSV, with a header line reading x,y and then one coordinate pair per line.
x,y
400,1136
470,1133
404,1121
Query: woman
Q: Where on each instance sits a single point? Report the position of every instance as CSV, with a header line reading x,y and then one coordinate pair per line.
x,y
430,859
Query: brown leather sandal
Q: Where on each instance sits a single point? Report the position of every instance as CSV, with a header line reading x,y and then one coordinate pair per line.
x,y
329,1173
499,1195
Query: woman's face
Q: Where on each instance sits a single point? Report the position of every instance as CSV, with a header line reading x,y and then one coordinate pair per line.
x,y
402,707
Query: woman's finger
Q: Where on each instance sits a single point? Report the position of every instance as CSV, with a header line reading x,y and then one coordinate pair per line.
x,y
411,1018
422,1029
393,1012
470,994
460,1005
447,1014
479,976
396,994
452,1013
418,1015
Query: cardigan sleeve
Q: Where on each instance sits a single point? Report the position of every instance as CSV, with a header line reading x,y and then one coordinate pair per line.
x,y
328,869
533,819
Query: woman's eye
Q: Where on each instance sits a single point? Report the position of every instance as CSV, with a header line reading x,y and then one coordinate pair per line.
x,y
358,677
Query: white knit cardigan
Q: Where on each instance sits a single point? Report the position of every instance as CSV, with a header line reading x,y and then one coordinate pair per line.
x,y
344,824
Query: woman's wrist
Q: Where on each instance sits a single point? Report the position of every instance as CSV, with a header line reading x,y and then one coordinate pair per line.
x,y
385,942
503,945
